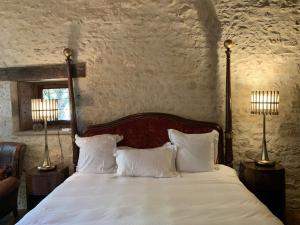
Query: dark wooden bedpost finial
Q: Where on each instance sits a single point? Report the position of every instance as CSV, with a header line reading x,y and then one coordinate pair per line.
x,y
71,70
228,123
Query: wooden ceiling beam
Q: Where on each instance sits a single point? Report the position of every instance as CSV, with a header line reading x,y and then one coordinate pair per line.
x,y
41,72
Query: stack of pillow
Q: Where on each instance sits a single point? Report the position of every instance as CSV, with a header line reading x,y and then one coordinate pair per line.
x,y
184,153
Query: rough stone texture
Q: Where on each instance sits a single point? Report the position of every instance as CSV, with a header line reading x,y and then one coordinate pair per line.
x,y
265,57
164,56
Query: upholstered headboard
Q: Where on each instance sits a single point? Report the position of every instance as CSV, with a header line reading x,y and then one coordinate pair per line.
x,y
148,130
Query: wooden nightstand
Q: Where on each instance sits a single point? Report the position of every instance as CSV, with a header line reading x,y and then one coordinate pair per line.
x,y
40,183
267,183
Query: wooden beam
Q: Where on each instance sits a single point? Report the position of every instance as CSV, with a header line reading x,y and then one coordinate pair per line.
x,y
41,72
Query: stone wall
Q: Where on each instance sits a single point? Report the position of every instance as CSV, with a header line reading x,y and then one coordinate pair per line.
x,y
164,56
265,57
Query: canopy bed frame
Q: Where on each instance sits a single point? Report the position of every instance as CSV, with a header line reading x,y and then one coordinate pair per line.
x,y
161,122
202,197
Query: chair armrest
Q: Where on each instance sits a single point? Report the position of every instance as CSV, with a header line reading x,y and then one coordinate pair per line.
x,y
12,154
2,174
8,185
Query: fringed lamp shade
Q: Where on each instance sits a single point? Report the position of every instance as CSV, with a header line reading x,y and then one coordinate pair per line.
x,y
264,102
43,109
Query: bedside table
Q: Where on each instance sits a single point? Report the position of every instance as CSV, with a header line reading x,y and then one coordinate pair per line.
x,y
40,183
267,183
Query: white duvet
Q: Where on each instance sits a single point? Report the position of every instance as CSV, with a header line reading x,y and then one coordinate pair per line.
x,y
205,198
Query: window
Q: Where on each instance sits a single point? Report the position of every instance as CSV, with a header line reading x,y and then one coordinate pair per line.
x,y
46,90
62,94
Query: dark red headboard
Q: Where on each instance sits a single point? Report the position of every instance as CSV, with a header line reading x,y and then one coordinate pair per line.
x,y
148,130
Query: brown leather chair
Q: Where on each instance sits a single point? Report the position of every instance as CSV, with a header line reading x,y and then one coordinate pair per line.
x,y
11,157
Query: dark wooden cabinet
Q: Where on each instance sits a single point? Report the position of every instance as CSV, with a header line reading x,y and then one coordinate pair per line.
x,y
40,183
267,183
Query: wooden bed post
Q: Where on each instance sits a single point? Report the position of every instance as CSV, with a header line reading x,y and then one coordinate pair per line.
x,y
71,72
228,122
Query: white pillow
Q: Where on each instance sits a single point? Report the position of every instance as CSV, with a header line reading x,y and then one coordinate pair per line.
x,y
96,153
152,162
195,152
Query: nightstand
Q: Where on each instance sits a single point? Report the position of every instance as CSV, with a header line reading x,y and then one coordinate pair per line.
x,y
267,183
40,183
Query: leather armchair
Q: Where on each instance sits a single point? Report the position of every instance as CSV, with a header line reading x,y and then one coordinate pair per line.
x,y
12,157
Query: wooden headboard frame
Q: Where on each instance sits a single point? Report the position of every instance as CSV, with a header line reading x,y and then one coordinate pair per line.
x,y
148,130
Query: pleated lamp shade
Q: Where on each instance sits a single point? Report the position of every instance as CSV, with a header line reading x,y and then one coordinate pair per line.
x,y
43,109
264,102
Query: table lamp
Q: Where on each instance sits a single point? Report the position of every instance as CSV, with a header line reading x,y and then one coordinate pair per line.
x,y
42,111
264,103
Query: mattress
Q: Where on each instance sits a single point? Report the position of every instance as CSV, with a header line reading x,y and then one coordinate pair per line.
x,y
206,198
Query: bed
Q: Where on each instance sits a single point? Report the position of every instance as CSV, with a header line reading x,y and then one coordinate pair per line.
x,y
216,197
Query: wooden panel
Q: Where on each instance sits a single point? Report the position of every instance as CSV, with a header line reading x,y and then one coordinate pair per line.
x,y
25,93
41,72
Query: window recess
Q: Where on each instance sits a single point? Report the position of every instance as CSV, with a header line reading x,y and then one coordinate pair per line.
x,y
46,90
29,81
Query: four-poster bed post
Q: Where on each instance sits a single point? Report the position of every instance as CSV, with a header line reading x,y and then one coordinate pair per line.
x,y
228,122
228,115
71,70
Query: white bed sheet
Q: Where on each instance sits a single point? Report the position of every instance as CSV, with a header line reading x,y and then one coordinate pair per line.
x,y
206,198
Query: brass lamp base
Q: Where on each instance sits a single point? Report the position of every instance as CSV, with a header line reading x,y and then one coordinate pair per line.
x,y
46,168
265,163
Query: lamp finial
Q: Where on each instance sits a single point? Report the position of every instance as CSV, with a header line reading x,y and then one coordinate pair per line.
x,y
228,43
68,52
